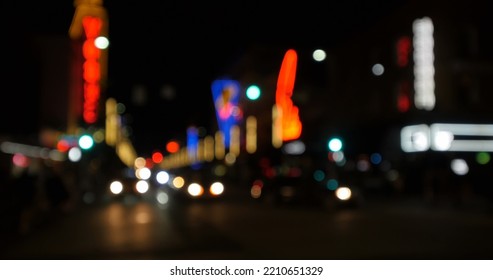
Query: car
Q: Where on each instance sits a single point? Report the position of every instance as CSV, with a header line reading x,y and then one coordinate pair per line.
x,y
128,184
296,190
197,182
299,179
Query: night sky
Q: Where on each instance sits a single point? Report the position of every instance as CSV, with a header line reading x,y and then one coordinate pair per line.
x,y
185,46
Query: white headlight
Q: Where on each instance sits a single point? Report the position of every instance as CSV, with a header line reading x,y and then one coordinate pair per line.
x,y
343,193
217,188
195,189
116,187
142,186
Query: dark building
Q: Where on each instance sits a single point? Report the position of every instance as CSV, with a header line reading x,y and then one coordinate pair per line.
x,y
370,85
35,72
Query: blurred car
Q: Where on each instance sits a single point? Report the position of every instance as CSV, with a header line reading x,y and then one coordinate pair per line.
x,y
294,190
297,179
128,184
197,183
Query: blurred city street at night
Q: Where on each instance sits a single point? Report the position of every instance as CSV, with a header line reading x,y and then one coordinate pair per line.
x,y
352,130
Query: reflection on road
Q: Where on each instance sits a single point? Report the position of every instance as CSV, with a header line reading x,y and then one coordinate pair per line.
x,y
139,229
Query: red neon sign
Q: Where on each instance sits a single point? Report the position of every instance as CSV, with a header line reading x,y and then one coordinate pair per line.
x,y
403,48
403,97
289,114
91,68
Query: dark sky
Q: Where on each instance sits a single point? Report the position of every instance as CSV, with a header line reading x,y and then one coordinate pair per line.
x,y
187,45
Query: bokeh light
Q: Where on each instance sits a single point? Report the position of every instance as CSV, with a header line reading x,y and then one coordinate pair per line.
x,y
253,92
217,188
195,189
162,177
142,186
377,69
319,55
483,158
343,193
116,187
459,166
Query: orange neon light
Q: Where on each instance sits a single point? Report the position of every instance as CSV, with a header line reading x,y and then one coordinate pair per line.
x,y
92,26
288,113
91,68
89,51
172,147
92,71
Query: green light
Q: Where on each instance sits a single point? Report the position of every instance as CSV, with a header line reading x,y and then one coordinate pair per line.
x,y
318,175
332,184
335,144
483,158
253,92
86,142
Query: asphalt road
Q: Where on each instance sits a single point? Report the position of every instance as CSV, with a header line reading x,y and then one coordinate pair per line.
x,y
391,228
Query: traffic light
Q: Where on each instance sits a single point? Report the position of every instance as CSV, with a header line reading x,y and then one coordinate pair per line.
x,y
86,142
336,154
335,144
253,92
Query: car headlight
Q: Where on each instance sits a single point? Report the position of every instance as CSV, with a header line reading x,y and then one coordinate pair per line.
x,y
142,186
116,187
217,188
343,193
195,189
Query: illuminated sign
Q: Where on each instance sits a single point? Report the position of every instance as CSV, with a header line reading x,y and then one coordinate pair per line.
x,y
112,122
226,94
89,30
424,71
403,97
415,138
403,49
192,142
287,124
251,134
447,137
91,68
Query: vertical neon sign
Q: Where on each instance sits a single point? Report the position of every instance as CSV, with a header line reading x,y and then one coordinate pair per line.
x,y
287,122
91,68
403,50
424,70
226,94
192,142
